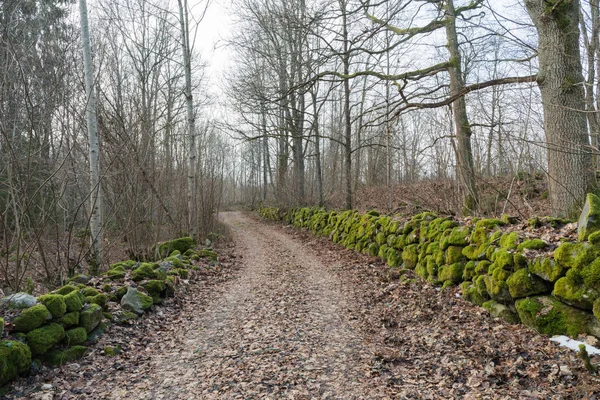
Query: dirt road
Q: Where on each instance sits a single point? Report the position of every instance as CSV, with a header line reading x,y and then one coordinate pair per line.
x,y
301,318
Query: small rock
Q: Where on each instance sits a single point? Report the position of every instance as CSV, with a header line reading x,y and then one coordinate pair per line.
x,y
20,300
565,371
46,387
74,367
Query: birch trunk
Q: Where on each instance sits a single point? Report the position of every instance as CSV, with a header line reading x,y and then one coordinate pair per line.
x,y
191,120
94,151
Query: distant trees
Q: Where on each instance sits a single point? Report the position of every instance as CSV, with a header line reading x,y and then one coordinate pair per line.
x,y
443,58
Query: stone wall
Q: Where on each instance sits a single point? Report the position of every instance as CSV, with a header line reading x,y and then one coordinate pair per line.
x,y
551,286
57,327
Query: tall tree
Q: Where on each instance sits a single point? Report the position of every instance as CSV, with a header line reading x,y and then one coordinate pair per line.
x,y
94,150
560,79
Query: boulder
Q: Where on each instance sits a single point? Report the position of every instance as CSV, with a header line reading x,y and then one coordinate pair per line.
x,y
32,318
549,316
90,317
523,283
589,220
498,310
165,248
75,336
42,339
135,301
74,301
19,300
55,303
15,359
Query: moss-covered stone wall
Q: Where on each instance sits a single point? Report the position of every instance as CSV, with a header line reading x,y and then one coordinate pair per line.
x,y
551,287
56,329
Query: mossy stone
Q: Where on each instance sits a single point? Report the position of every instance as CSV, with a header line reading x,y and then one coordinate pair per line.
x,y
589,220
70,319
454,254
373,249
452,272
15,359
42,339
75,336
504,259
566,253
575,293
471,294
546,269
114,275
157,289
421,270
112,351
594,238
509,241
126,317
410,256
136,301
549,316
206,253
181,244
469,271
596,309
121,292
144,271
99,299
1,326
175,261
90,291
532,244
591,274
432,248
74,301
496,285
431,266
32,318
55,303
459,236
90,317
65,290
482,267
523,284
479,236
61,357
475,252
489,223
498,310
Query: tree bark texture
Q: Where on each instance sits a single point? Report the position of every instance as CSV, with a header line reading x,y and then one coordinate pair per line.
x,y
560,79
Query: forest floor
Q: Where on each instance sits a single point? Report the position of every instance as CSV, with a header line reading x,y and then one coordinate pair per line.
x,y
292,316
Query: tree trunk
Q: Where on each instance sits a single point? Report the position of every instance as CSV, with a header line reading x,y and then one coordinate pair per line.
x,y
94,151
191,120
466,170
347,119
560,79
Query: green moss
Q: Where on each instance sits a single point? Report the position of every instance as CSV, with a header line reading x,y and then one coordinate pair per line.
x,y
90,317
40,340
469,271
479,236
126,317
144,271
509,241
504,259
65,290
546,269
575,293
58,357
31,318
489,223
112,351
211,255
393,259
74,301
15,359
452,273
55,303
182,245
551,317
70,319
498,310
482,267
589,220
479,284
496,285
454,254
373,249
432,248
594,238
596,309
114,274
121,292
89,291
410,256
532,244
523,283
475,252
75,336
421,270
520,261
459,236
591,275
99,299
1,326
157,289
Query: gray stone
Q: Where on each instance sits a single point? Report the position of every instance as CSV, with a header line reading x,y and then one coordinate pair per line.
x,y
135,301
20,300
